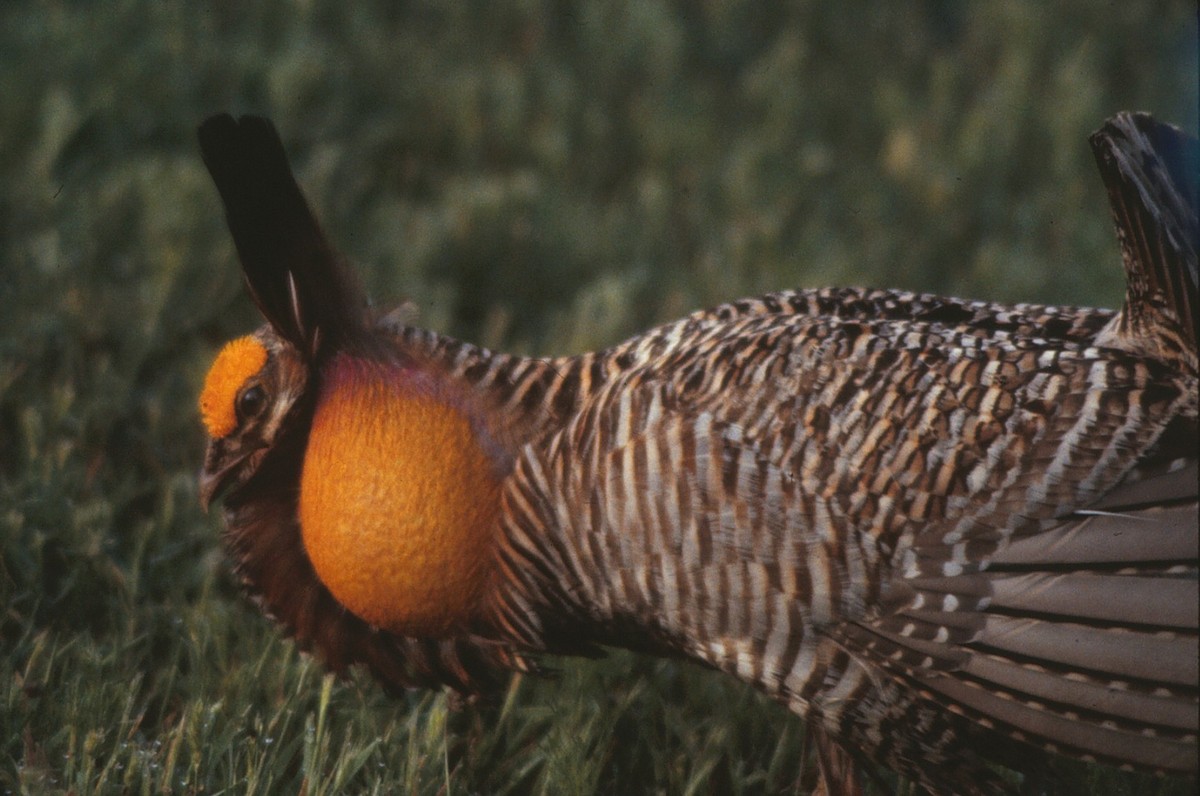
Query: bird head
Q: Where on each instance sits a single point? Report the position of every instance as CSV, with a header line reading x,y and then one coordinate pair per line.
x,y
249,393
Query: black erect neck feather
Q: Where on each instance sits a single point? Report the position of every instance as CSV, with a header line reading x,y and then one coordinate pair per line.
x,y
296,278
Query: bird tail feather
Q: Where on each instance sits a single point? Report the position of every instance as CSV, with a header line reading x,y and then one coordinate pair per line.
x,y
1150,171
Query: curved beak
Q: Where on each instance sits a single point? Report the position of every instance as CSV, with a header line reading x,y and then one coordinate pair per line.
x,y
210,488
220,470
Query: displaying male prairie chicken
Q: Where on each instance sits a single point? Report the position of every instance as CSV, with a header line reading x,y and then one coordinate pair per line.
x,y
946,532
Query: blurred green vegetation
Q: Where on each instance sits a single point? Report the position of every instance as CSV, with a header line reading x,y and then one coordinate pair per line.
x,y
538,176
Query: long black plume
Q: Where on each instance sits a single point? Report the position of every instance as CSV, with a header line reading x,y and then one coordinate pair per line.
x,y
298,281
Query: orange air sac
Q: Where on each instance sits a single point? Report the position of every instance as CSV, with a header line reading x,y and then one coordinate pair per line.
x,y
397,501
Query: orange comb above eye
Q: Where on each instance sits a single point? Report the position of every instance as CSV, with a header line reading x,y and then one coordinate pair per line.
x,y
238,361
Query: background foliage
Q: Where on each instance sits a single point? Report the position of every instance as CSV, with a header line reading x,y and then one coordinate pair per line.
x,y
539,176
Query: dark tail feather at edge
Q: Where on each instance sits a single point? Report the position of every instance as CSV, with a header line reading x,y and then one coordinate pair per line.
x,y
1150,170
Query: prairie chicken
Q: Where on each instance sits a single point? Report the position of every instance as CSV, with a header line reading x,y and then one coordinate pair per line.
x,y
946,532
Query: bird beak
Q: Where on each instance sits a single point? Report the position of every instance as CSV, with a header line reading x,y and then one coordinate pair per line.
x,y
210,484
219,473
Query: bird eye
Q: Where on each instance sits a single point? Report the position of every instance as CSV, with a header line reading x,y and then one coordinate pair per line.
x,y
251,402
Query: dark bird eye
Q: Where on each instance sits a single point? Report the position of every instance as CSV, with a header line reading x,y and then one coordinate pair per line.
x,y
251,402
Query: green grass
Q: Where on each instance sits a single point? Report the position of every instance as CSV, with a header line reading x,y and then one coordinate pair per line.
x,y
542,177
